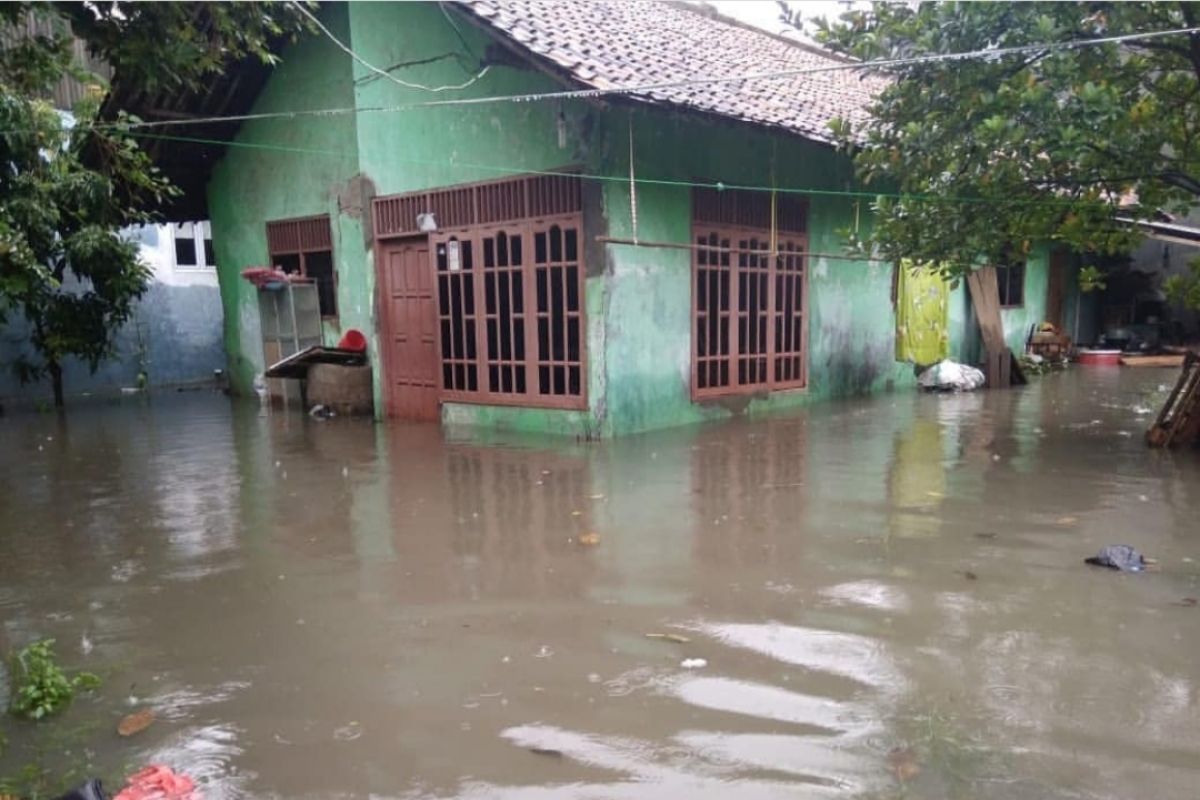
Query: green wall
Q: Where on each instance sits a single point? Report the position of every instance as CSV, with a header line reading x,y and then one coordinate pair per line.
x,y
1017,321
851,332
637,298
282,168
429,147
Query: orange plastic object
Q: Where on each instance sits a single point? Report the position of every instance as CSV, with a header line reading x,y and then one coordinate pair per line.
x,y
353,340
157,782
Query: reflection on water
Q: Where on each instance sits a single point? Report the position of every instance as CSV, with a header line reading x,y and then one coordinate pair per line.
x,y
317,609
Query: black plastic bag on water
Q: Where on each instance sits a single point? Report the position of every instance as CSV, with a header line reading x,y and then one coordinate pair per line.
x,y
92,790
1118,556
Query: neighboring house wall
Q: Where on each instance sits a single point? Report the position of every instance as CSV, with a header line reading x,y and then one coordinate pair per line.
x,y
175,333
1019,320
637,299
1164,259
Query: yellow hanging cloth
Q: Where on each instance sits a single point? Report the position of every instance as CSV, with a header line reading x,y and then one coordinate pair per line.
x,y
922,314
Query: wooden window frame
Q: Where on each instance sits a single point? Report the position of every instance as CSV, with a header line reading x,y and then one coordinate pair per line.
x,y
778,268
533,397
1004,283
736,227
301,237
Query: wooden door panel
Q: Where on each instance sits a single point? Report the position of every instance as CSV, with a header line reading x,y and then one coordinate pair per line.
x,y
411,360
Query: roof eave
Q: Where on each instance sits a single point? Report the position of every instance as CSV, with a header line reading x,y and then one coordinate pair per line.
x,y
563,74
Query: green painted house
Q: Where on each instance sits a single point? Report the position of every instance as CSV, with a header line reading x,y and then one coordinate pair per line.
x,y
589,218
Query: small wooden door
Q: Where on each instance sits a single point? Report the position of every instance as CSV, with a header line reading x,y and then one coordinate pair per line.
x,y
1057,288
410,319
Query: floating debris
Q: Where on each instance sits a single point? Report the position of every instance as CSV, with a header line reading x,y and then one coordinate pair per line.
x,y
903,761
546,751
693,663
670,637
159,782
589,539
1120,557
135,723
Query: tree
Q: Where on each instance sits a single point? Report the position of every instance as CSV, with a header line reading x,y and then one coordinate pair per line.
x,y
976,159
71,182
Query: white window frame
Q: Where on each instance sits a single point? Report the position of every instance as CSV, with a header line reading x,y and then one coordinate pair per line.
x,y
200,231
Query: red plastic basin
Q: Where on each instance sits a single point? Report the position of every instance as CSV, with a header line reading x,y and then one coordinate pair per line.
x,y
1100,358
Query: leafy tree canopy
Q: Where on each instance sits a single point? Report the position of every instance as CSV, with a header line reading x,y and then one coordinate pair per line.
x,y
989,155
71,181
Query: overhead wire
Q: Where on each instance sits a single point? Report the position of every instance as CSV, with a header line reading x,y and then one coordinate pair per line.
x,y
589,93
382,72
623,179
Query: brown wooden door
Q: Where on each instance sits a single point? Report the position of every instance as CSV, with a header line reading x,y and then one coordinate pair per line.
x,y
410,319
1056,290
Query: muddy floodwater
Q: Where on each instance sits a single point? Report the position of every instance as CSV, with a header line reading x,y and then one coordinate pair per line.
x,y
876,598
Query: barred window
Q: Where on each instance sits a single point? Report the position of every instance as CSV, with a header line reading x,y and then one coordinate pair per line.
x,y
749,300
510,314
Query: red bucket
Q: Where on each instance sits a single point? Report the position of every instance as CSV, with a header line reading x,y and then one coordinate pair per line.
x,y
353,340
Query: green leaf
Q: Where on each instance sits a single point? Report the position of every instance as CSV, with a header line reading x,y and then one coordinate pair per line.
x,y
1024,148
40,687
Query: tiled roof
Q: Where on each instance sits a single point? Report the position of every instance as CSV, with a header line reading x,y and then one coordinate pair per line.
x,y
608,44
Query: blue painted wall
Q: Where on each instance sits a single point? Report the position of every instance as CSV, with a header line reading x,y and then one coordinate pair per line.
x,y
181,328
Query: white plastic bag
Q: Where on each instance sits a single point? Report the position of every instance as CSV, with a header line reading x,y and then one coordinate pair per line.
x,y
950,376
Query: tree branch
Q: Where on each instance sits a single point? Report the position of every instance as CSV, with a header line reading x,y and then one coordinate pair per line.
x,y
1162,47
1189,16
1181,181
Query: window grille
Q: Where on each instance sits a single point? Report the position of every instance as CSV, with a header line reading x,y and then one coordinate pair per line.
x,y
305,246
510,314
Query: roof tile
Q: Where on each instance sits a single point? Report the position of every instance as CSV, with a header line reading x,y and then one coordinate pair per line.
x,y
625,43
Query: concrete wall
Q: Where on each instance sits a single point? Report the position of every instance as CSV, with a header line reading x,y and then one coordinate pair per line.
x,y
851,331
175,333
637,299
283,168
1018,321
433,147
